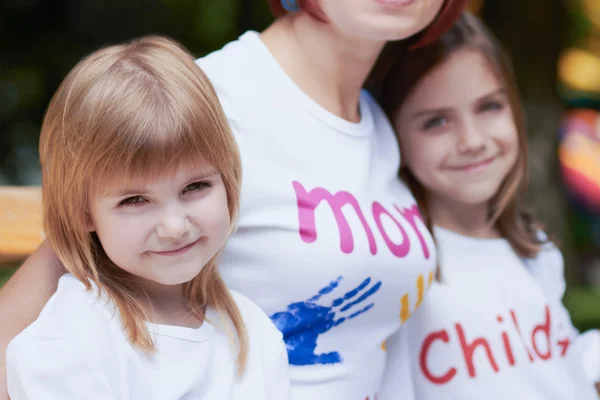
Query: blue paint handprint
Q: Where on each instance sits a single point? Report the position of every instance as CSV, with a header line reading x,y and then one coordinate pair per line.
x,y
304,321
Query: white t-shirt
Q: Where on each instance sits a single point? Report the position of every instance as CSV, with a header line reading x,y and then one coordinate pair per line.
x,y
77,349
493,328
330,243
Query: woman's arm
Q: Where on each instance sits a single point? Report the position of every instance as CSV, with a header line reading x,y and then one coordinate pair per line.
x,y
23,297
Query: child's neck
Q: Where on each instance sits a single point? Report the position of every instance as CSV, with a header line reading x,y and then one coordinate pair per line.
x,y
170,306
465,219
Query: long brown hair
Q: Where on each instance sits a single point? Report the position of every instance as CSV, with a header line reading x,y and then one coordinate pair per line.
x,y
450,10
136,110
399,71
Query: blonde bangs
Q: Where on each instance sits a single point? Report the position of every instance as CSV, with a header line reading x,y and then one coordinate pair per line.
x,y
152,144
156,127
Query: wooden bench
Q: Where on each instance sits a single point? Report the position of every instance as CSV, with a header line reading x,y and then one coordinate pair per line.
x,y
20,222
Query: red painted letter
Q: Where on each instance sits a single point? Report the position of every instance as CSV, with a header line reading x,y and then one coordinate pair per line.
x,y
432,337
544,328
469,349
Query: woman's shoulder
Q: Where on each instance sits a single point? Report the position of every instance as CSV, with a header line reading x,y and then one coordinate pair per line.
x,y
244,45
228,65
238,74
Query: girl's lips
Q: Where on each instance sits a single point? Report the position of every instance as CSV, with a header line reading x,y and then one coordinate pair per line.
x,y
395,4
476,166
177,251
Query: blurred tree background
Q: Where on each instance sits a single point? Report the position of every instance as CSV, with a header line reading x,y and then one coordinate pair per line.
x,y
41,40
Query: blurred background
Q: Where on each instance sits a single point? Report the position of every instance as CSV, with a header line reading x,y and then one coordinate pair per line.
x,y
555,46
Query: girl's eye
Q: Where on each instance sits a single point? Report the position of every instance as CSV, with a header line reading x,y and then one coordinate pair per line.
x,y
491,106
435,122
196,186
132,201
136,201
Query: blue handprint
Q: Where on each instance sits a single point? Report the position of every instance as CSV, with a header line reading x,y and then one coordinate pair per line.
x,y
304,321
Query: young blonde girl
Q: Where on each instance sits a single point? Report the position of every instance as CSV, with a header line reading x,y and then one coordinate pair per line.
x,y
493,326
141,180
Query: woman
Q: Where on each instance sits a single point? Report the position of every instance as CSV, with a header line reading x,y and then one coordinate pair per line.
x,y
330,243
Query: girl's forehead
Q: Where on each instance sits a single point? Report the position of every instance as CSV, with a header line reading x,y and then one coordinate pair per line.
x,y
465,74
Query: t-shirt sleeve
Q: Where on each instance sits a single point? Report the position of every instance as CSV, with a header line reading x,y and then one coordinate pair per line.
x,y
266,346
226,99
276,367
53,369
398,373
277,380
548,269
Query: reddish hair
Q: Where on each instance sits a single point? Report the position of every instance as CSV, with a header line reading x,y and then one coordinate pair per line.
x,y
449,12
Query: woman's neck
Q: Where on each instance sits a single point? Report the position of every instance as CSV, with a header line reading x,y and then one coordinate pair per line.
x,y
329,68
466,219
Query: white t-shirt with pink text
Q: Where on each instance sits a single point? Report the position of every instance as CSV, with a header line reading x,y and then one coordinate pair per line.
x,y
493,328
330,243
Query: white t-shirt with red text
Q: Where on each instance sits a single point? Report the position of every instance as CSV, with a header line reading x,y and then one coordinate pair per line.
x,y
330,243
494,327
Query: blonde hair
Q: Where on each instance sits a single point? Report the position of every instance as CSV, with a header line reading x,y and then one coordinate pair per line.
x,y
135,110
398,72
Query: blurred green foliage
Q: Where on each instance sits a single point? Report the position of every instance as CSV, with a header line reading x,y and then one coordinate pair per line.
x,y
5,273
41,40
584,307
